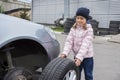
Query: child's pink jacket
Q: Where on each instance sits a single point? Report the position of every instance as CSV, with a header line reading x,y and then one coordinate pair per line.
x,y
80,41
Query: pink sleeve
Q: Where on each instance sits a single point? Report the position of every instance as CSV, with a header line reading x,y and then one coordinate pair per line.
x,y
68,43
86,42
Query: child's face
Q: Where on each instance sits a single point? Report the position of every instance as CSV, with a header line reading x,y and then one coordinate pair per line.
x,y
80,21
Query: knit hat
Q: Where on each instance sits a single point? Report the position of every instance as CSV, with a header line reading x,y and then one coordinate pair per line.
x,y
83,12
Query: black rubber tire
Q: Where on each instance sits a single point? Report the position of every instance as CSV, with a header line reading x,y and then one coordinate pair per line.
x,y
58,68
68,24
114,24
13,73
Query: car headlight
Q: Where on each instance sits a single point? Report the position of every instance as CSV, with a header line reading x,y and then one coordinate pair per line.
x,y
50,31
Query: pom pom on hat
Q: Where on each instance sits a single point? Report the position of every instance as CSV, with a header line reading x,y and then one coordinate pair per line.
x,y
83,12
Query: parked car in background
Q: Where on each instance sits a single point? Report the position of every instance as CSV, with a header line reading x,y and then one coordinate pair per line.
x,y
24,46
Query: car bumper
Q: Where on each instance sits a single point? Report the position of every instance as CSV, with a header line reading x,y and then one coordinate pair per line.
x,y
52,48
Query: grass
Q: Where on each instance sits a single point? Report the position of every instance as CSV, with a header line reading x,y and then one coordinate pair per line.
x,y
58,29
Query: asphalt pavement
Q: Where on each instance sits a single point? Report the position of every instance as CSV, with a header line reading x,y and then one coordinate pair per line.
x,y
106,57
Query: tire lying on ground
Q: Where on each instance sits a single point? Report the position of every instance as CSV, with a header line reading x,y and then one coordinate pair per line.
x,y
18,74
60,69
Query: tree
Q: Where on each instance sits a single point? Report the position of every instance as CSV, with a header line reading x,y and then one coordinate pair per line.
x,y
24,15
1,9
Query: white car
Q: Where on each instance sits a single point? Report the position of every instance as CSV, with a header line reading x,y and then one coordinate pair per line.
x,y
26,49
24,44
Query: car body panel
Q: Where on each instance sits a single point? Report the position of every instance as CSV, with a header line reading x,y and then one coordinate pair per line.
x,y
12,28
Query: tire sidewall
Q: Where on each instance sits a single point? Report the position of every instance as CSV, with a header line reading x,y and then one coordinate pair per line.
x,y
58,68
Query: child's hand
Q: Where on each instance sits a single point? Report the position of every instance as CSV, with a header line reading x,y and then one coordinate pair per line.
x,y
77,62
62,55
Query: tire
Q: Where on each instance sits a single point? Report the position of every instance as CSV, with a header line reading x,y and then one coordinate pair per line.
x,y
60,69
114,24
18,74
68,24
103,31
113,32
94,24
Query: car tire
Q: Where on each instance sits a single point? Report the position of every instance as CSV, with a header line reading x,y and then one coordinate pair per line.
x,y
60,69
18,74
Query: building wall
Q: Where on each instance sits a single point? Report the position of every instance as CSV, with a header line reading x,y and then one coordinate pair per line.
x,y
14,5
47,11
103,11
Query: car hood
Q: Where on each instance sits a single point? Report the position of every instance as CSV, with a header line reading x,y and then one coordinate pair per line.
x,y
12,27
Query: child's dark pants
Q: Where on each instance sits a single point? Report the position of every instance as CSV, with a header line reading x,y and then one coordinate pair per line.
x,y
87,65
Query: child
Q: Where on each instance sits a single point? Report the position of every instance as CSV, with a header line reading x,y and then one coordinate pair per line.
x,y
80,40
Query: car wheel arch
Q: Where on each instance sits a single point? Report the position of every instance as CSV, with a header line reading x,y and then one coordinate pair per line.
x,y
35,45
9,42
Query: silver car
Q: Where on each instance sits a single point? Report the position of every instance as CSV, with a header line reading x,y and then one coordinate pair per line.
x,y
24,46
